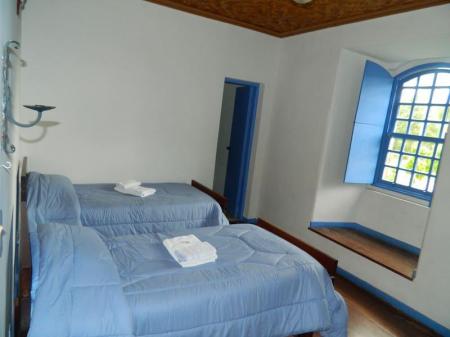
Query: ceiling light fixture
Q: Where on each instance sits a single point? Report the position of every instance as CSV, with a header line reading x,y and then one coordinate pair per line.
x,y
302,2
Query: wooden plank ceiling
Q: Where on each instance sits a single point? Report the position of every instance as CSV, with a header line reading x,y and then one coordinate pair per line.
x,y
283,18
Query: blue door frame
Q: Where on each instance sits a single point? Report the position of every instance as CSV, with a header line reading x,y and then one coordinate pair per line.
x,y
240,189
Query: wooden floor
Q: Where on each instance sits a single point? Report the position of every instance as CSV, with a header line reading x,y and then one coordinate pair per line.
x,y
370,317
390,257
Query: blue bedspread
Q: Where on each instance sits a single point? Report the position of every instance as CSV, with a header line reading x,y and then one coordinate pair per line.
x,y
50,198
173,206
53,198
80,292
260,286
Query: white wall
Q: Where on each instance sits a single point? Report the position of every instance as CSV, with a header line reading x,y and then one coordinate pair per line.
x,y
9,30
297,152
335,200
396,217
138,89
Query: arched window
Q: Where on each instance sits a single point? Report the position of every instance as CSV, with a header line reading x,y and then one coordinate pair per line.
x,y
415,131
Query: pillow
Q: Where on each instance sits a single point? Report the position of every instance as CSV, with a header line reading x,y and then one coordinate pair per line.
x,y
50,198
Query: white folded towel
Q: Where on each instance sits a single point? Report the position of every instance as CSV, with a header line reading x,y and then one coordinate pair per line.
x,y
128,184
189,251
180,241
137,191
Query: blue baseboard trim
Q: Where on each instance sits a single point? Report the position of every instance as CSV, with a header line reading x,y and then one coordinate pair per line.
x,y
370,232
407,310
250,220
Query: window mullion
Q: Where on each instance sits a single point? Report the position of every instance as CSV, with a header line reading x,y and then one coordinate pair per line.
x,y
432,164
423,118
419,138
429,102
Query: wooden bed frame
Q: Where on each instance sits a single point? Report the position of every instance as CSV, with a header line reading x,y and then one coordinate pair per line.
x,y
221,200
23,257
329,263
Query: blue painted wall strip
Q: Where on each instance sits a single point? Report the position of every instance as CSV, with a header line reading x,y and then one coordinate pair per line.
x,y
240,82
370,232
407,310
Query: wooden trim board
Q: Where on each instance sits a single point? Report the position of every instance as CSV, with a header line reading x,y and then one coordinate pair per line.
x,y
390,257
328,262
221,200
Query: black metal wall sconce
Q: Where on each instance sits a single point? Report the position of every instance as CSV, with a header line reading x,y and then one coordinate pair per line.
x,y
6,104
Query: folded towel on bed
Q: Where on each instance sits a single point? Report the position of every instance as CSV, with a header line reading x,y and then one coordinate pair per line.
x,y
189,251
137,191
180,241
128,184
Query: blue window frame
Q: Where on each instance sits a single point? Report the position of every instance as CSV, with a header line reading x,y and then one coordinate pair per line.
x,y
415,130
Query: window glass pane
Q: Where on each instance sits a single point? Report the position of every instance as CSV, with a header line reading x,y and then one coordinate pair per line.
x,y
438,151
443,80
411,83
410,146
392,159
420,112
426,80
435,167
423,95
416,132
395,144
416,128
423,165
404,111
389,174
419,181
440,96
433,130
401,127
403,178
407,95
431,184
436,113
407,162
427,149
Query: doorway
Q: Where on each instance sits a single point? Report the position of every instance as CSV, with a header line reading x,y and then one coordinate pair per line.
x,y
234,144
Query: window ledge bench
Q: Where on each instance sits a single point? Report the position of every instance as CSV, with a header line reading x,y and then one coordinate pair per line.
x,y
392,254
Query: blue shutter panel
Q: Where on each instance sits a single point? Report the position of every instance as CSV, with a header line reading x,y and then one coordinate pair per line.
x,y
374,99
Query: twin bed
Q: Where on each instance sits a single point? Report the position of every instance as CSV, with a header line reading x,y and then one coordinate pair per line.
x,y
174,205
101,269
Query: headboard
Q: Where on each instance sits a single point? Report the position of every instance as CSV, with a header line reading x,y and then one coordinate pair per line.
x,y
23,257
